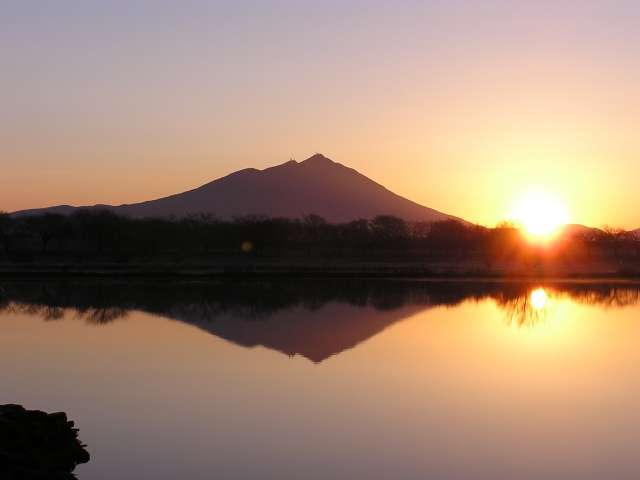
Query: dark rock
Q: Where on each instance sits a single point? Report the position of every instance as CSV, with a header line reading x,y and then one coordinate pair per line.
x,y
35,445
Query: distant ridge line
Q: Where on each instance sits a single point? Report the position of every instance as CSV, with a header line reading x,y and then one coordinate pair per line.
x,y
316,185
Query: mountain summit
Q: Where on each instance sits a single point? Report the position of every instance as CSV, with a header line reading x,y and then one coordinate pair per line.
x,y
317,185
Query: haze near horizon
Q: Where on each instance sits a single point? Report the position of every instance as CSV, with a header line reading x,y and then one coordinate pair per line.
x,y
460,107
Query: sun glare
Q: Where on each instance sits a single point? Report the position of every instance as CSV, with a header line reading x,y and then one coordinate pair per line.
x,y
538,298
540,214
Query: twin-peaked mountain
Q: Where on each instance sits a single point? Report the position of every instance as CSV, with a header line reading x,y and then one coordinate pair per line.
x,y
317,186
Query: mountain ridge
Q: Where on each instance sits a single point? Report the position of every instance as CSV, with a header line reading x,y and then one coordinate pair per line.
x,y
292,189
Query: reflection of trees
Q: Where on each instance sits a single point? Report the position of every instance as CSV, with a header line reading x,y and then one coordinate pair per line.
x,y
99,316
104,301
520,310
46,312
56,312
615,297
100,302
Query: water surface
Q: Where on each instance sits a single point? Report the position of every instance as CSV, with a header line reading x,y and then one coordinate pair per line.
x,y
332,379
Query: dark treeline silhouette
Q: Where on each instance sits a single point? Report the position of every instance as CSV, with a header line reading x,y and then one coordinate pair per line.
x,y
105,300
101,235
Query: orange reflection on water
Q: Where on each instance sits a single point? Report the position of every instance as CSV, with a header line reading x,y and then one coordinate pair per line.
x,y
421,388
538,298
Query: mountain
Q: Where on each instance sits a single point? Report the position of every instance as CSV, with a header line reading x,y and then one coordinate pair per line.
x,y
293,189
577,230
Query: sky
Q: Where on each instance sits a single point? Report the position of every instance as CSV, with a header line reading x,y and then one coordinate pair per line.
x,y
459,105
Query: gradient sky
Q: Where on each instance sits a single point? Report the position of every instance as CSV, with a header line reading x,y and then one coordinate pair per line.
x,y
458,105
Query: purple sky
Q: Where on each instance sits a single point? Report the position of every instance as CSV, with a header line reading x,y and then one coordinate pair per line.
x,y
457,105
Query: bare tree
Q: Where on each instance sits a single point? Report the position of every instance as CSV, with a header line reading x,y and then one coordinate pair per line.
x,y
47,227
6,227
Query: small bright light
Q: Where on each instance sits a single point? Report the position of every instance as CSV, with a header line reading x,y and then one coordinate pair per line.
x,y
538,298
540,213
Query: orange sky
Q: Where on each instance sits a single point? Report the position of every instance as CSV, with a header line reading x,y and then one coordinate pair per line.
x,y
460,107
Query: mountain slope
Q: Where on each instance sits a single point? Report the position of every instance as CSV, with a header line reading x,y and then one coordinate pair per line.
x,y
574,229
314,186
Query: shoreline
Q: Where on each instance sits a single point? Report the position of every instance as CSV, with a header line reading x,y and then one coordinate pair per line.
x,y
412,270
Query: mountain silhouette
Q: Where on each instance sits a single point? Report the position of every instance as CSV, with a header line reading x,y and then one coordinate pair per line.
x,y
574,229
293,189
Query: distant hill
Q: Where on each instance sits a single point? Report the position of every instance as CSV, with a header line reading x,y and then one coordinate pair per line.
x,y
575,229
293,189
594,233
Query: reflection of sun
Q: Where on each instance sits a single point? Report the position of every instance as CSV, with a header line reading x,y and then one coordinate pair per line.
x,y
528,308
538,298
540,214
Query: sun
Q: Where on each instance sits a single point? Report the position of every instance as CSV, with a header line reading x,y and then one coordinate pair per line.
x,y
540,214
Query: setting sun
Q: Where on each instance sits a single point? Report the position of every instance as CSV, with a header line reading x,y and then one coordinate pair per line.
x,y
540,214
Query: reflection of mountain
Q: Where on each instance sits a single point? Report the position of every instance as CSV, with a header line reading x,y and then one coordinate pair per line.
x,y
313,318
316,334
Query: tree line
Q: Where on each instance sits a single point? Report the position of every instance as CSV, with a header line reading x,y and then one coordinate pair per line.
x,y
101,235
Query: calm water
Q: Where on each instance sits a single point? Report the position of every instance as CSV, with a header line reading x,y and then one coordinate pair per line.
x,y
332,379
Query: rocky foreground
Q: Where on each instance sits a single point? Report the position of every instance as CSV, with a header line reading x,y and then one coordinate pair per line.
x,y
35,445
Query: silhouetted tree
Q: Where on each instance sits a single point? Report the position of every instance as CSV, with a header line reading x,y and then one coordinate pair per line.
x,y
97,227
357,232
6,226
47,227
202,227
419,230
450,235
387,228
314,226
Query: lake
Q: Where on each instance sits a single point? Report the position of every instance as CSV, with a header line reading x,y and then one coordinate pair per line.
x,y
332,379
